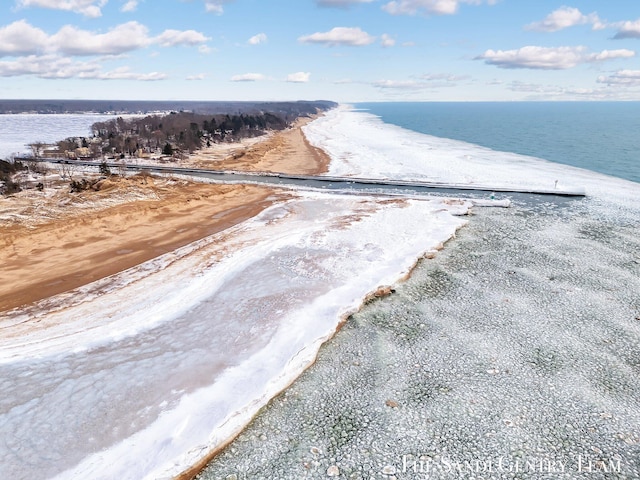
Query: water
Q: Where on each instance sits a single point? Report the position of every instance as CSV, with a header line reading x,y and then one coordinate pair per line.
x,y
533,308
541,297
18,131
599,136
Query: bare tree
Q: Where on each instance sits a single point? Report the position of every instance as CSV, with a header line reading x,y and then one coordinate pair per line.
x,y
37,148
122,168
65,147
35,167
66,170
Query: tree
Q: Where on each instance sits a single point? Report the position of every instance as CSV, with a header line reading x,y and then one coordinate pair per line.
x,y
104,169
168,149
66,170
37,148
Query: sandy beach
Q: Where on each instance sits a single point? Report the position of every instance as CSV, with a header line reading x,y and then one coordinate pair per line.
x,y
283,152
147,372
52,244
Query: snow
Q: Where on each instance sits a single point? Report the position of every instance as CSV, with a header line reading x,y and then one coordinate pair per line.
x,y
142,374
149,370
361,145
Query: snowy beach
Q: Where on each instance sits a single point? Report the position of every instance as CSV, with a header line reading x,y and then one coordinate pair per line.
x,y
167,360
234,318
518,339
512,354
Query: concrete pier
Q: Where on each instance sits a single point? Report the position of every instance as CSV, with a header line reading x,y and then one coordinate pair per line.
x,y
326,181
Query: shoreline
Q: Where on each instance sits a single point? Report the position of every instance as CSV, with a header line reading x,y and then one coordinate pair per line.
x,y
394,372
239,331
412,379
77,247
287,151
66,254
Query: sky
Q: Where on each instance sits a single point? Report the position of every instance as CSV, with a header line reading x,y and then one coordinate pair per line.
x,y
340,50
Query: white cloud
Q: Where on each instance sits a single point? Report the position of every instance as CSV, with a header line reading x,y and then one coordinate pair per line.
x,y
340,3
566,17
526,87
122,38
49,56
124,73
627,29
88,8
198,77
299,77
257,39
611,55
216,6
340,36
56,67
435,7
20,38
171,38
248,77
130,6
557,92
424,82
444,77
45,67
548,58
387,41
629,78
400,84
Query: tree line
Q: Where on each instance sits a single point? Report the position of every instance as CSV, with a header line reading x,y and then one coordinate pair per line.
x,y
178,131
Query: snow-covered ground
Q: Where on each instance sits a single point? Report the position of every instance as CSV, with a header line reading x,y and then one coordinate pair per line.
x,y
140,375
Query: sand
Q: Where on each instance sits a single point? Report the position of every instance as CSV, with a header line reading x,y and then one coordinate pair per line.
x,y
284,152
54,242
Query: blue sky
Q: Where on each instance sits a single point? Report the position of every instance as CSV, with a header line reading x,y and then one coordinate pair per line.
x,y
342,50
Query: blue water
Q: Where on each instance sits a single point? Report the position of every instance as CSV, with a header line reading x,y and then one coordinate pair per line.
x,y
599,136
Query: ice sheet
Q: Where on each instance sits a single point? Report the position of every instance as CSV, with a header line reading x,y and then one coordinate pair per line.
x,y
141,375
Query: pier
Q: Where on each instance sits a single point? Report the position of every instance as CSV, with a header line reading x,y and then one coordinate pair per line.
x,y
356,184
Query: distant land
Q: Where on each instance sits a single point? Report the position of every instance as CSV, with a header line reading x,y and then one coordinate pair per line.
x,y
118,107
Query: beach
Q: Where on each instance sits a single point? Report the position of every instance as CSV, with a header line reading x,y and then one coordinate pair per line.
x,y
284,152
50,245
175,354
512,347
512,354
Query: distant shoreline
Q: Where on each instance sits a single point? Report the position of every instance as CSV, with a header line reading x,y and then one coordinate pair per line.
x,y
127,107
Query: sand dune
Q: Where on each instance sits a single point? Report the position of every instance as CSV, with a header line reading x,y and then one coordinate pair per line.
x,y
53,243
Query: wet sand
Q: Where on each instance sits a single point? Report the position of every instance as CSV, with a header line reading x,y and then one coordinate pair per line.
x,y
49,245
